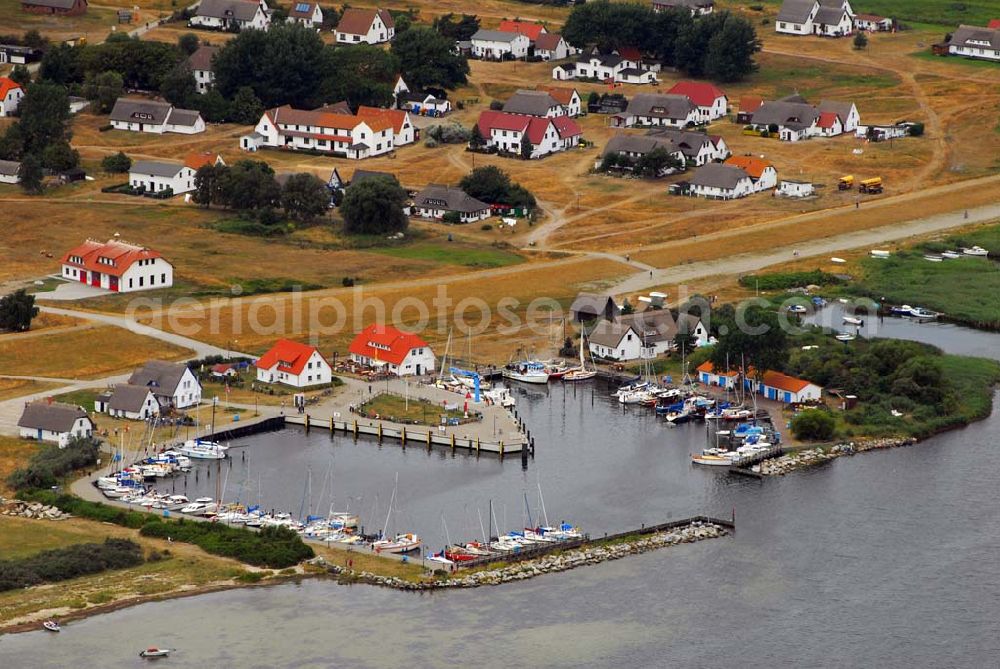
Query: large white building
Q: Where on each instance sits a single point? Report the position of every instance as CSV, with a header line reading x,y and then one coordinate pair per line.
x,y
173,384
200,63
117,266
365,26
828,18
645,334
54,422
399,353
231,15
975,42
655,109
156,176
371,132
498,45
294,364
155,117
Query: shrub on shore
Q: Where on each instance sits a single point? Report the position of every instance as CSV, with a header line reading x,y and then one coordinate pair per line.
x,y
51,463
62,564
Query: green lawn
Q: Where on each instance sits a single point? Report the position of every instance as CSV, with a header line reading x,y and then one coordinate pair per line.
x,y
452,254
397,409
84,398
925,54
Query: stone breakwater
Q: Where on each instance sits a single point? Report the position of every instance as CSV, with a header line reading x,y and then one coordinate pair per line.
x,y
554,562
814,456
16,507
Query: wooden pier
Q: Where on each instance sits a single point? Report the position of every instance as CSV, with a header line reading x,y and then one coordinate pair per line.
x,y
743,465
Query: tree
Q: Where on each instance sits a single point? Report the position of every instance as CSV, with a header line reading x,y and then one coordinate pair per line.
x,y
278,64
860,40
249,184
60,157
35,40
684,341
21,75
731,49
654,163
62,64
44,112
426,58
117,163
206,185
526,147
304,197
461,30
31,174
374,207
491,184
16,311
188,43
362,74
213,107
141,63
104,89
611,25
477,141
627,308
593,99
178,86
245,107
753,337
814,425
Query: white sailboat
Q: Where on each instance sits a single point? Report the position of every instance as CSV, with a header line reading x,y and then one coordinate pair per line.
x,y
580,373
203,450
401,543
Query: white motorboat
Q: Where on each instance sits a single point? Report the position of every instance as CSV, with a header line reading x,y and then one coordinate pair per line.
x,y
923,314
846,336
526,372
500,396
203,450
51,626
713,457
197,508
401,543
876,253
155,652
975,251
797,309
117,493
951,255
853,320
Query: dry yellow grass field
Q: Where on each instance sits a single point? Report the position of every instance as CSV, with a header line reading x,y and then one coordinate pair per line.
x,y
96,352
11,388
14,453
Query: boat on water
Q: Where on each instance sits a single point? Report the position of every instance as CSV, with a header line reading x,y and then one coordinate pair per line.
x,y
501,396
526,371
846,336
155,652
923,314
975,251
797,309
853,320
401,543
711,460
203,450
580,373
51,626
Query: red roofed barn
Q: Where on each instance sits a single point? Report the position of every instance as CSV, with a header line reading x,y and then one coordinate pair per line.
x,y
712,103
526,28
402,354
117,266
294,364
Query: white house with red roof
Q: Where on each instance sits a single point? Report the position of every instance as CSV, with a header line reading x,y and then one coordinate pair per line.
x,y
10,96
117,266
294,364
711,101
505,132
401,353
330,130
529,29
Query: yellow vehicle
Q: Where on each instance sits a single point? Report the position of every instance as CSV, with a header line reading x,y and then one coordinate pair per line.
x,y
846,182
871,186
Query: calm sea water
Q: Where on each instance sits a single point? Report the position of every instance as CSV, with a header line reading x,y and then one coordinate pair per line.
x,y
887,559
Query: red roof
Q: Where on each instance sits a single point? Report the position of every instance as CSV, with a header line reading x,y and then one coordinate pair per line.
x,y
396,117
630,53
701,93
784,382
198,160
707,366
529,30
385,343
750,104
563,96
290,356
827,119
6,86
566,127
113,258
994,24
753,166
357,21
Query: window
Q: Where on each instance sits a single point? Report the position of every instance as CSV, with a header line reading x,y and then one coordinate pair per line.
x,y
140,282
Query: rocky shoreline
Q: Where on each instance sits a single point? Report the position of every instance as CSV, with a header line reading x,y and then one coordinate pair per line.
x,y
814,456
554,562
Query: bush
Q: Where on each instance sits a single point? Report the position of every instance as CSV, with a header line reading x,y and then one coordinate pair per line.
x,y
117,163
813,425
51,463
65,563
785,280
916,130
486,226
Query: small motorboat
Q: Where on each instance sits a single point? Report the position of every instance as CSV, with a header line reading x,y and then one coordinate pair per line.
x,y
846,336
51,626
951,255
797,309
853,320
933,257
876,253
923,314
155,652
975,251
713,457
839,261
903,310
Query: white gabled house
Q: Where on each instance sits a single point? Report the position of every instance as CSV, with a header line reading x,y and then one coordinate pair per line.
x,y
552,46
308,14
200,64
294,364
128,401
10,172
173,384
608,68
794,119
155,117
546,135
365,26
498,45
11,93
720,182
333,132
762,173
655,109
231,15
569,98
828,18
156,176
54,422
712,103
435,200
975,42
117,266
399,353
644,334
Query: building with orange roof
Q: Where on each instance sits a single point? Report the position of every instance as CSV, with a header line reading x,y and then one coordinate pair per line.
x,y
10,96
529,29
762,172
294,364
772,385
403,129
117,266
398,352
569,98
346,135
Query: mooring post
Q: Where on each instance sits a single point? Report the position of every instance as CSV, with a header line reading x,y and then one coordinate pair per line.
x,y
477,444
428,438
402,436
501,449
380,430
355,427
453,441
331,425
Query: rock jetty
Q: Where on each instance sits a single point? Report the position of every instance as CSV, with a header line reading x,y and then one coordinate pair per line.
x,y
558,561
16,507
814,456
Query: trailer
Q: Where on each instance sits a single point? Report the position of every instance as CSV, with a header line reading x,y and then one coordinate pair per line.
x,y
846,182
871,186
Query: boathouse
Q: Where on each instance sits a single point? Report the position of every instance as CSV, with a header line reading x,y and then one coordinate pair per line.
x,y
773,386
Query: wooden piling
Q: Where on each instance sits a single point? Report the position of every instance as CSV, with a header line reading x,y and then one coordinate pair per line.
x,y
402,436
380,431
355,427
307,422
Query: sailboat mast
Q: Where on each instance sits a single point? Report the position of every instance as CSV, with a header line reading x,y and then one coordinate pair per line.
x,y
541,499
392,499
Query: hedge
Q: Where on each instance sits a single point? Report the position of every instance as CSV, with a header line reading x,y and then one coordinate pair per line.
x,y
62,564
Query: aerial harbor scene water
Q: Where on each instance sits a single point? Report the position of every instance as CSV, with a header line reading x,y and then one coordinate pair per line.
x,y
522,333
